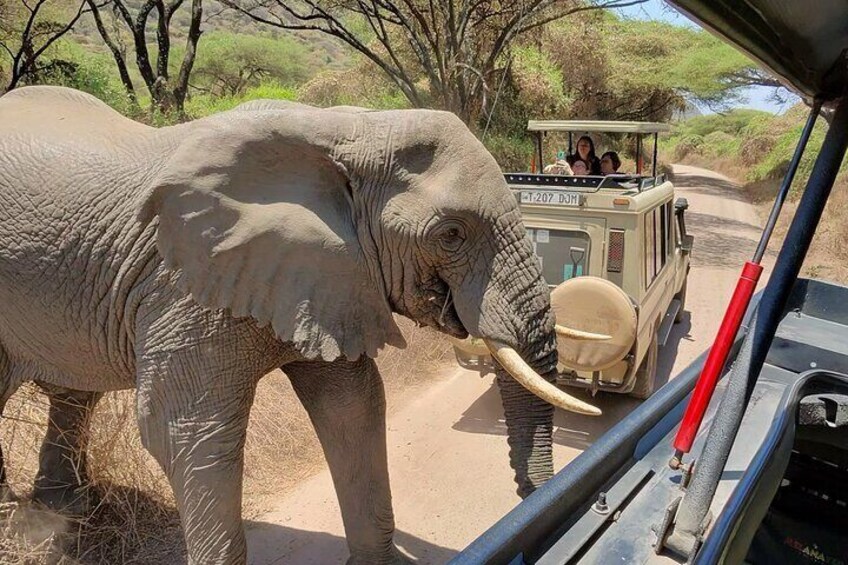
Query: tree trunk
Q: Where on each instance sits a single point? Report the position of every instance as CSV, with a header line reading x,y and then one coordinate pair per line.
x,y
117,54
194,32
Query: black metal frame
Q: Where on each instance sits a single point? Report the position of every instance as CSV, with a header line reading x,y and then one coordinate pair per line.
x,y
584,183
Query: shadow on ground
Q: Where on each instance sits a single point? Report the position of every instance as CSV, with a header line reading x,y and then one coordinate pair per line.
x,y
722,242
485,415
272,544
710,186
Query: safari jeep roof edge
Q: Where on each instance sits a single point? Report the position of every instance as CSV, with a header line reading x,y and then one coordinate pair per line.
x,y
597,125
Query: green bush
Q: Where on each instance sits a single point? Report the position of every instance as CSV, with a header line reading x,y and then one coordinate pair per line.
x,y
513,154
682,145
228,64
362,85
758,142
719,144
202,105
70,64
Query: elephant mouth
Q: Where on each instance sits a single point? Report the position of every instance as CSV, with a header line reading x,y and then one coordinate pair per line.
x,y
447,320
444,315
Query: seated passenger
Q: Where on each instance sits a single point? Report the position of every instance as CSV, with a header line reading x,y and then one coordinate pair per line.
x,y
559,167
586,153
610,163
580,169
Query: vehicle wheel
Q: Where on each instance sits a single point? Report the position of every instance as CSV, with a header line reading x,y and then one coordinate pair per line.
x,y
681,296
646,374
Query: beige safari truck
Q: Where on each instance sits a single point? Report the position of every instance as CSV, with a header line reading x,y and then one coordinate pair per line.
x,y
615,252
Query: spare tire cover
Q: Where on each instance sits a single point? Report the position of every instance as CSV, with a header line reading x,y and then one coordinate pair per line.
x,y
594,305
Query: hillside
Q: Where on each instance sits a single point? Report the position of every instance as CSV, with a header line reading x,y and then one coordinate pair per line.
x,y
755,148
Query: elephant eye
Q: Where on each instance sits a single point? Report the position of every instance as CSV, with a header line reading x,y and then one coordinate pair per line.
x,y
451,237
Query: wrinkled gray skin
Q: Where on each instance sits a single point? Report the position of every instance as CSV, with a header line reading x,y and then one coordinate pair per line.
x,y
191,260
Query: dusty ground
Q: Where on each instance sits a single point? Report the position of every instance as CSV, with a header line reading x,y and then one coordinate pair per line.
x,y
447,449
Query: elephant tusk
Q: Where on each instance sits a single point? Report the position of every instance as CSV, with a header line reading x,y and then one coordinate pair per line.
x,y
512,362
567,332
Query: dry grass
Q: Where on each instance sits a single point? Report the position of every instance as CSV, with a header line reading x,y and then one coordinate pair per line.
x,y
827,258
134,519
729,167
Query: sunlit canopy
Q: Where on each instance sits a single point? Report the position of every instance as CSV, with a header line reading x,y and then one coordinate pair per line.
x,y
803,43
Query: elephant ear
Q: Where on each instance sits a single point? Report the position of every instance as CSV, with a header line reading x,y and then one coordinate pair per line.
x,y
257,217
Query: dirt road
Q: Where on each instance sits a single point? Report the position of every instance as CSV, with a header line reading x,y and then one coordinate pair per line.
x,y
447,449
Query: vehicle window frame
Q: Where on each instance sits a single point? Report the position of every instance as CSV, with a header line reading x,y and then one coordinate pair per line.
x,y
576,233
658,239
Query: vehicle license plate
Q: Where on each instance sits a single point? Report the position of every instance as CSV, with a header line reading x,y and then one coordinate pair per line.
x,y
552,197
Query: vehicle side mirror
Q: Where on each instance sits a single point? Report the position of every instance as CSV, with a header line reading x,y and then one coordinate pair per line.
x,y
686,243
686,240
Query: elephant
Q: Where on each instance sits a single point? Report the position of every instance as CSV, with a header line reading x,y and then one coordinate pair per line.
x,y
188,261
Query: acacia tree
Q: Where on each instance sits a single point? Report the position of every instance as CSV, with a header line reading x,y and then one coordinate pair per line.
x,y
230,63
28,29
447,54
167,93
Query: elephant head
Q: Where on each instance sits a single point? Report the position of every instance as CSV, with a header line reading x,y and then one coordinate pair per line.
x,y
322,223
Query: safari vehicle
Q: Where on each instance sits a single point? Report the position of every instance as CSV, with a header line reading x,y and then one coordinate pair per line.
x,y
743,456
615,251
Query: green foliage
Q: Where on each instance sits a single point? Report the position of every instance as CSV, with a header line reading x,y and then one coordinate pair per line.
x,y
69,64
733,122
206,104
227,64
598,66
693,63
538,78
760,143
511,152
774,163
361,85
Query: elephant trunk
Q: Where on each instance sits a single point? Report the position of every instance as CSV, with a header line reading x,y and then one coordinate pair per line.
x,y
529,423
518,325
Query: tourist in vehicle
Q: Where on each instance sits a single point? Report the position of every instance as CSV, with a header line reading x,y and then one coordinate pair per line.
x,y
610,163
579,168
586,153
559,167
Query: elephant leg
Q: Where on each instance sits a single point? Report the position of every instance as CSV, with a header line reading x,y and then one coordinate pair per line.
x,y
346,403
61,482
194,424
8,386
529,423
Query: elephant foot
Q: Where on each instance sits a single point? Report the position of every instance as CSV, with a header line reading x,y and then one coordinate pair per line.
x,y
75,501
6,494
394,557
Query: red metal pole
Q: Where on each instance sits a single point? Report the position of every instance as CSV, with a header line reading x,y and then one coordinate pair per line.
x,y
736,310
716,359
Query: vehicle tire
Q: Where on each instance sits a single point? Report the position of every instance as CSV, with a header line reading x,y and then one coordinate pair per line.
x,y
681,296
646,374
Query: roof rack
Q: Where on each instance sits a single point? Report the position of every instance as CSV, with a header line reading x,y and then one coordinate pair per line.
x,y
587,183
